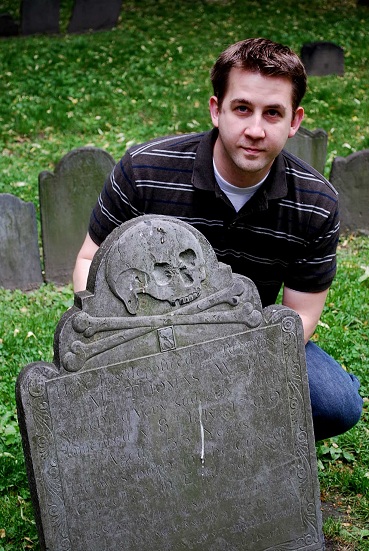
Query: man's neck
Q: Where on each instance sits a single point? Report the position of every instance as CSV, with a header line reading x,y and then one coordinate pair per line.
x,y
238,196
234,175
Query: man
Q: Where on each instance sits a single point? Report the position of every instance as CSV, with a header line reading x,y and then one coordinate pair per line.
x,y
266,213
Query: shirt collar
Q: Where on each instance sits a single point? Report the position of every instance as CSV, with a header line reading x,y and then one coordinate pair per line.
x,y
275,186
203,173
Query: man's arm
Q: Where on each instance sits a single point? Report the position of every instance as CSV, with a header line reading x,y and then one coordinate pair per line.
x,y
309,306
83,263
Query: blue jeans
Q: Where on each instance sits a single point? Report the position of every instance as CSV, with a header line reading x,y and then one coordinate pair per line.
x,y
335,400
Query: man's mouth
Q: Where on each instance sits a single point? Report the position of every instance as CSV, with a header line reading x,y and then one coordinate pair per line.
x,y
252,150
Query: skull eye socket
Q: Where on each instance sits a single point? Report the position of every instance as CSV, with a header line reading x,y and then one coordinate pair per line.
x,y
188,257
163,273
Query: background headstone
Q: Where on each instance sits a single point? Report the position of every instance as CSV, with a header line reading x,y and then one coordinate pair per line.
x,y
323,58
8,27
66,201
94,15
177,412
20,266
40,16
310,146
350,176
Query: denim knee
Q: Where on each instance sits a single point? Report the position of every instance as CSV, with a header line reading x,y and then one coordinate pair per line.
x,y
335,401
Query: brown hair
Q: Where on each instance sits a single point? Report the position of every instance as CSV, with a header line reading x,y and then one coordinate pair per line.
x,y
264,56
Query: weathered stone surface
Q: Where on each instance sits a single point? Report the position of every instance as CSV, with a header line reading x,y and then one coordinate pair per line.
x,y
177,412
40,16
323,58
20,266
94,15
66,200
310,146
350,176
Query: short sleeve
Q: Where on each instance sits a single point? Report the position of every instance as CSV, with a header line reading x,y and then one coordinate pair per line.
x,y
117,202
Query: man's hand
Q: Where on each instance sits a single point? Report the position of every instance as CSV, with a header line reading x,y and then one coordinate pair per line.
x,y
309,306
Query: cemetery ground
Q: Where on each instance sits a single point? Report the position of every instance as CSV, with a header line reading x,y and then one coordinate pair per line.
x,y
150,77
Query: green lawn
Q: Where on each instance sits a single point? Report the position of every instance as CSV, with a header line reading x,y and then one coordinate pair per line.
x,y
147,77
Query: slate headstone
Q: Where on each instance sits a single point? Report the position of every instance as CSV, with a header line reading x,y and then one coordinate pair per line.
x,y
8,27
66,200
350,176
177,412
310,146
94,15
20,266
40,16
323,58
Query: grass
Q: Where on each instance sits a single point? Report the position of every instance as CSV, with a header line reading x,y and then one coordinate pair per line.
x,y
344,460
27,325
147,77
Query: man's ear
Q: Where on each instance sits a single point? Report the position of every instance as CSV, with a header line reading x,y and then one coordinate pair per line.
x,y
214,110
296,121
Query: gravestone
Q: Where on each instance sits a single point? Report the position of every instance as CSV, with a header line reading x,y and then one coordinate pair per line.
x,y
20,266
66,200
40,16
310,146
323,58
8,27
176,414
350,176
94,15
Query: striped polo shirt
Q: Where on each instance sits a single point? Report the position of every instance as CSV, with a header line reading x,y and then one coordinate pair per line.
x,y
286,234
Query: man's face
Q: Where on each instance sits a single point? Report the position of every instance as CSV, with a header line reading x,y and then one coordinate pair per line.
x,y
254,122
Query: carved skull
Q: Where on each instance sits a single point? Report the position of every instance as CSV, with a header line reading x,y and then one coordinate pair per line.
x,y
159,258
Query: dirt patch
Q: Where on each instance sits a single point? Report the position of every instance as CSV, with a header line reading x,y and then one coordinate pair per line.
x,y
331,510
331,545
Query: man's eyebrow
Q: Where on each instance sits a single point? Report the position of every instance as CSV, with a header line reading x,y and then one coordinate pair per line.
x,y
244,101
241,100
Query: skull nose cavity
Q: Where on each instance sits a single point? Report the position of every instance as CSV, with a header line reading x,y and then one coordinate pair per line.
x,y
186,276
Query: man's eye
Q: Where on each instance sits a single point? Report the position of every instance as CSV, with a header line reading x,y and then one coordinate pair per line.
x,y
273,113
242,108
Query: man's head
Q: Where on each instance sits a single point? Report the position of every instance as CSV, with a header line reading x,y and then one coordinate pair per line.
x,y
258,86
262,56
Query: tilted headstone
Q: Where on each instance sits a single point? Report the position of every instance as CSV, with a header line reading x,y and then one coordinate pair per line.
x,y
94,15
177,412
40,16
20,266
323,58
66,200
310,146
350,176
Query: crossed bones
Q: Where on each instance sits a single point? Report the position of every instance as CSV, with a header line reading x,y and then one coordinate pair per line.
x,y
130,328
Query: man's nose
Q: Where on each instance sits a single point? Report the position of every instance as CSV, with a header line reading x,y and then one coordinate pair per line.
x,y
255,128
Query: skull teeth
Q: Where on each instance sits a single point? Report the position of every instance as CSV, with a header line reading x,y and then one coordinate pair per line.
x,y
184,300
